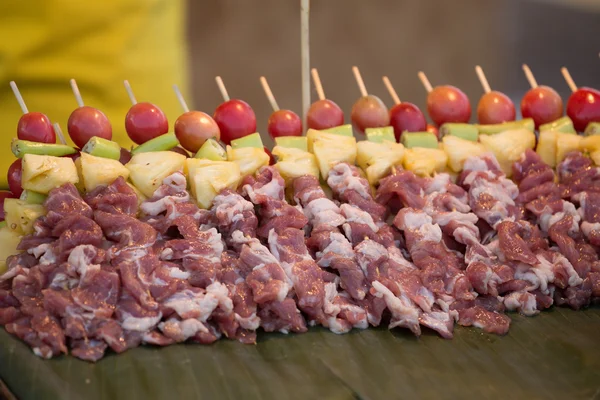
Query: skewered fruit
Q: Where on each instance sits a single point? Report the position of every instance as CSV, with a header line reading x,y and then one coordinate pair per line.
x,y
543,104
583,107
324,114
330,149
448,104
235,119
194,128
96,171
424,161
207,178
508,146
293,162
148,170
369,112
145,121
44,173
459,149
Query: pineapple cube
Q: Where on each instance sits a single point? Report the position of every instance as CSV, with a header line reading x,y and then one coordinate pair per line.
x,y
565,143
292,163
44,173
590,143
377,159
458,150
330,149
595,156
546,147
313,134
207,178
148,170
424,161
508,146
249,159
9,240
96,171
20,216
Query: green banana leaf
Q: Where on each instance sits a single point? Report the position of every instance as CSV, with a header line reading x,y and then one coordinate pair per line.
x,y
555,355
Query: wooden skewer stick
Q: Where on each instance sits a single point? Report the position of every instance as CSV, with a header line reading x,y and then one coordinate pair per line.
x,y
20,100
391,90
182,102
222,88
565,73
76,92
425,81
59,133
269,94
318,85
359,81
529,76
130,92
305,55
482,79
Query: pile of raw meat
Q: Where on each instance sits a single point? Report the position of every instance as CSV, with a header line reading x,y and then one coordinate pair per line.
x,y
102,272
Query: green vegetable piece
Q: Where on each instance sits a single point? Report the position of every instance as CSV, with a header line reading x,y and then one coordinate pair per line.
x,y
252,140
160,143
593,128
101,147
212,150
419,139
492,129
22,147
463,131
293,142
344,130
379,135
563,124
3,224
31,197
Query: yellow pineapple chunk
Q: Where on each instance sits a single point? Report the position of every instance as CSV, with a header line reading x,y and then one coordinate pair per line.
x,y
424,161
9,240
565,143
508,146
595,156
20,216
546,147
207,178
458,150
377,159
590,143
330,149
44,173
148,170
96,171
249,159
292,163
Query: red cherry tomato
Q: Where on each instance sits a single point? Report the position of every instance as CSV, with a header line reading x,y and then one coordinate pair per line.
x,y
4,195
583,107
86,122
145,121
369,112
235,119
494,108
448,104
284,123
542,104
36,127
406,117
324,114
15,171
193,129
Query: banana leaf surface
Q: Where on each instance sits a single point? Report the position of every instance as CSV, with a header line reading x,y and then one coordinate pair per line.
x,y
555,355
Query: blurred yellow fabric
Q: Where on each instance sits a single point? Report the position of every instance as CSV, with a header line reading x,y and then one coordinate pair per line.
x,y
44,43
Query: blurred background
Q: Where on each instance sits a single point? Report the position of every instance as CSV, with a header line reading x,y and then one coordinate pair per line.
x,y
243,39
